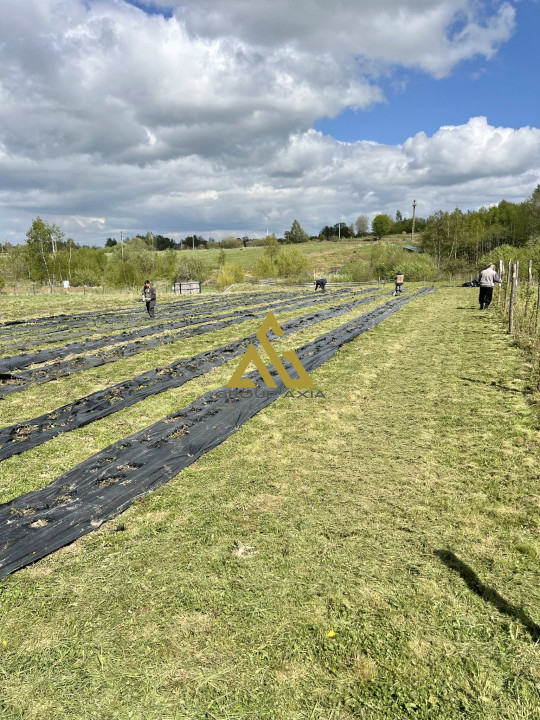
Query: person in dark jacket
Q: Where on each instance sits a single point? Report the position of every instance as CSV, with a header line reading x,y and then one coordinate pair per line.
x,y
320,284
399,279
487,280
149,296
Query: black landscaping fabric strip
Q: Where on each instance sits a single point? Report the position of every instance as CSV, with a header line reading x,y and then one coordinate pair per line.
x,y
56,331
101,314
144,322
48,322
79,501
17,362
21,380
18,438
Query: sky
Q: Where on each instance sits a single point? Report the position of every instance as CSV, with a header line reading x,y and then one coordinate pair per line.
x,y
236,117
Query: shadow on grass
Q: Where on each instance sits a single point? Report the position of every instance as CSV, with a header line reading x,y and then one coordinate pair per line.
x,y
497,386
473,582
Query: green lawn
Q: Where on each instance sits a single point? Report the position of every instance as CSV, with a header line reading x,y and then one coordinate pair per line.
x,y
373,555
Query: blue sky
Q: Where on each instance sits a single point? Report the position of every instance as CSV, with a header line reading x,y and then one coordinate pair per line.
x,y
222,117
505,89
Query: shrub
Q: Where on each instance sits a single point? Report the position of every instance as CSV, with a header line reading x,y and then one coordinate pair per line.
x,y
384,261
358,272
292,263
191,267
417,268
231,242
265,267
230,273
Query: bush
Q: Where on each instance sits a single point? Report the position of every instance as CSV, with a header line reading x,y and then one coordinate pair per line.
x,y
191,267
384,261
85,276
510,252
417,268
358,272
265,267
229,274
231,242
292,263
122,274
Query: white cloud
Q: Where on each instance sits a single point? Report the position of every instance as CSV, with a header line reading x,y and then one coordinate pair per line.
x,y
434,36
113,118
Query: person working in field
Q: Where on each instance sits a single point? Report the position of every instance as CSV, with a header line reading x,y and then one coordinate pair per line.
x,y
320,284
487,280
399,279
149,296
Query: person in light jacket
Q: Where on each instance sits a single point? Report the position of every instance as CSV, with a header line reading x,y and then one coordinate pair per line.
x,y
487,280
149,296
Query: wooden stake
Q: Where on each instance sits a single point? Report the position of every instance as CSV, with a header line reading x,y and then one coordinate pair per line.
x,y
537,307
512,302
506,290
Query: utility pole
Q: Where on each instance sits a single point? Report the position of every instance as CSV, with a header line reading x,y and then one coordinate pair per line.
x,y
413,220
122,245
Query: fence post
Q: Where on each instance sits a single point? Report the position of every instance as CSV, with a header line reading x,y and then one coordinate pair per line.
x,y
530,273
512,302
507,287
517,272
537,307
501,275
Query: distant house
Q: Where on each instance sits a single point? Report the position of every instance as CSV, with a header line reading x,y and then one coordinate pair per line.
x,y
412,248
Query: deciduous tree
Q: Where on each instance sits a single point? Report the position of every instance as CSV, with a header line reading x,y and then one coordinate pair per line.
x,y
381,225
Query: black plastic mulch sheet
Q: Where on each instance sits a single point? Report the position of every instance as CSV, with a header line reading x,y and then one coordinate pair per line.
x,y
17,362
38,523
20,437
105,315
20,380
56,332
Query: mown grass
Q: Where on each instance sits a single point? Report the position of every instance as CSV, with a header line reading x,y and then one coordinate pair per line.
x,y
297,571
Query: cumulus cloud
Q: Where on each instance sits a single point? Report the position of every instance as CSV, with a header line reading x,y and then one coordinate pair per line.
x,y
431,35
200,120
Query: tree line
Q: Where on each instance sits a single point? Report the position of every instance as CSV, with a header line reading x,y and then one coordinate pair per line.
x,y
457,242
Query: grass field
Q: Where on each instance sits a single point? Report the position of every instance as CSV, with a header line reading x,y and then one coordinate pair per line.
x,y
370,555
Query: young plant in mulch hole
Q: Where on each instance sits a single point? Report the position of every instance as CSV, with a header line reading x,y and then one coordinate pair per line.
x,y
180,432
22,433
107,482
21,512
39,523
